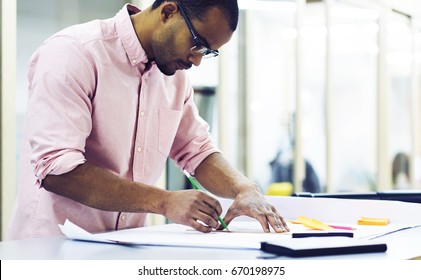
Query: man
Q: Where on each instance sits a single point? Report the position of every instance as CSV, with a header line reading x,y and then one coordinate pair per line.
x,y
108,103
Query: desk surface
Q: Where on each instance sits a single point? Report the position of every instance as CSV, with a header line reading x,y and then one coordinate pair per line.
x,y
404,244
63,248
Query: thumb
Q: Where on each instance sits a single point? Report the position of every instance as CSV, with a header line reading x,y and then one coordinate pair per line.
x,y
227,219
229,216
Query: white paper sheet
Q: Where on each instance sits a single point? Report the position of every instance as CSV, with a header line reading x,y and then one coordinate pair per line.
x,y
243,235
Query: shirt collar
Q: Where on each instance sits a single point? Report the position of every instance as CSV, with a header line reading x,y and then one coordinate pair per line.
x,y
125,29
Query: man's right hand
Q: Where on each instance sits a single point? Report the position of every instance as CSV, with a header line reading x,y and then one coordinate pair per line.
x,y
193,208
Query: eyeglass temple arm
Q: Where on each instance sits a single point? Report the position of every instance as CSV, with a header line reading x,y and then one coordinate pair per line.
x,y
187,20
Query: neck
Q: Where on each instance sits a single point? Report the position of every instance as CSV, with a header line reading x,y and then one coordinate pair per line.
x,y
142,27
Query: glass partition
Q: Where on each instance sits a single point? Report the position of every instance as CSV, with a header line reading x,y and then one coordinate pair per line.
x,y
268,87
399,59
314,130
354,90
271,90
270,94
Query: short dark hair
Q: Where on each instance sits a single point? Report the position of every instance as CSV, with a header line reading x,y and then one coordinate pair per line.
x,y
198,8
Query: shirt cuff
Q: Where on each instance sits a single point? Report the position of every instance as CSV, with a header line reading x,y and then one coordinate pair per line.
x,y
58,164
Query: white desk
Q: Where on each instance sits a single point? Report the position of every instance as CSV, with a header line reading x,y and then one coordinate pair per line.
x,y
404,245
63,248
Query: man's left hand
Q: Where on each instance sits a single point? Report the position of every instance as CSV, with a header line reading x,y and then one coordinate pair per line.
x,y
252,203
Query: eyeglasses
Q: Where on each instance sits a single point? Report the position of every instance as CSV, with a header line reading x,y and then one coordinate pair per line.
x,y
200,47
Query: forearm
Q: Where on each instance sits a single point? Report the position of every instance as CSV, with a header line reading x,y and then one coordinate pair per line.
x,y
216,175
220,178
98,188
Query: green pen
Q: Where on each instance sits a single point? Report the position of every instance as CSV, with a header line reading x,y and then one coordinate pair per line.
x,y
196,187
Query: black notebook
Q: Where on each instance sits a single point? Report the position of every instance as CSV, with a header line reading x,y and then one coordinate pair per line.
x,y
322,246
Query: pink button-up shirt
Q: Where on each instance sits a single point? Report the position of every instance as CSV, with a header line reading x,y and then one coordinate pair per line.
x,y
94,97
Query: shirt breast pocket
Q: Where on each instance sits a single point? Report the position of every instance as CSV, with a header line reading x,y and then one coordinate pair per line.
x,y
169,120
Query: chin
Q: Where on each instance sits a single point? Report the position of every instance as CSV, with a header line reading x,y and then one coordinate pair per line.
x,y
168,71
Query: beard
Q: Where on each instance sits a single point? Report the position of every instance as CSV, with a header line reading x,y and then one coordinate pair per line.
x,y
162,62
165,68
170,68
164,52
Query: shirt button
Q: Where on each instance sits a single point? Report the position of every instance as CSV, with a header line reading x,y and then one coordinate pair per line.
x,y
134,61
139,149
123,217
142,113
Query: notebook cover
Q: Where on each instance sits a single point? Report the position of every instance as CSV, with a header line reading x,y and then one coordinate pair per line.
x,y
321,246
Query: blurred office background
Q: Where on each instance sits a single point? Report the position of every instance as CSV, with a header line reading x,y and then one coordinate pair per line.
x,y
323,94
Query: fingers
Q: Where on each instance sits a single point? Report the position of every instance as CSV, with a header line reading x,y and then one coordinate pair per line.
x,y
208,218
200,227
193,208
270,217
205,222
280,220
267,216
230,215
207,210
276,221
211,211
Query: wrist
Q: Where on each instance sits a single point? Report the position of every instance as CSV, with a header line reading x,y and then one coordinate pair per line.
x,y
159,198
164,205
248,187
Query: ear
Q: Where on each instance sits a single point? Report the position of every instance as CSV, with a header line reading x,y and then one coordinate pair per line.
x,y
167,10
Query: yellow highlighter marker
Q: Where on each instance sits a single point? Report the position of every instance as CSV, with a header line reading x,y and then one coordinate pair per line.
x,y
196,187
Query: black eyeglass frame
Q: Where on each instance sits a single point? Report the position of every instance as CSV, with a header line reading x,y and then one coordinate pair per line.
x,y
202,47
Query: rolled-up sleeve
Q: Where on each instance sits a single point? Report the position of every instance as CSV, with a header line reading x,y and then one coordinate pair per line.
x,y
61,85
193,141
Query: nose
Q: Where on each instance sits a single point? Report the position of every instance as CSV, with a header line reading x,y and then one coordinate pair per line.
x,y
196,59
